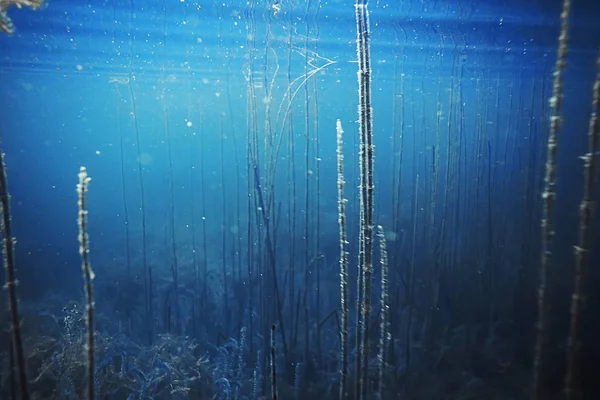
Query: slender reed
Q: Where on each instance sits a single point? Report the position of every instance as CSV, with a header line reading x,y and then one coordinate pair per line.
x,y
88,276
192,194
291,193
271,257
317,173
366,190
192,184
251,151
127,243
225,269
122,156
148,302
174,259
384,324
307,179
11,367
236,238
410,281
399,150
548,197
273,363
8,247
343,263
584,245
204,298
224,230
123,190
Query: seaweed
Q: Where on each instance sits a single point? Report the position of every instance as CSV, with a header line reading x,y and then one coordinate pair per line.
x,y
6,24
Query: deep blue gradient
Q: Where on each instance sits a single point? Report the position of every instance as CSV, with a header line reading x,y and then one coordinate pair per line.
x,y
460,106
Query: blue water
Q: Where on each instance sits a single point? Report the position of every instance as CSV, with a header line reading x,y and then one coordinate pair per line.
x,y
208,129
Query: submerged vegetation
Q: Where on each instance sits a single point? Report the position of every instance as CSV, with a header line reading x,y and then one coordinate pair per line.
x,y
6,24
248,282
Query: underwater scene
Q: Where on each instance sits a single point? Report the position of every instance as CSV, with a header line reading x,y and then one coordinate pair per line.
x,y
300,199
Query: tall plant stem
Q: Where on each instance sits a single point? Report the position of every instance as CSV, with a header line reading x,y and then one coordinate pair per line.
x,y
148,302
584,245
548,197
8,247
343,393
366,190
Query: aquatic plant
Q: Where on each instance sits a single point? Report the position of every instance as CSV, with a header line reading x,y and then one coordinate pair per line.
x,y
383,311
61,366
273,362
8,248
343,263
365,120
229,363
548,197
6,24
427,338
146,267
88,276
584,245
170,368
